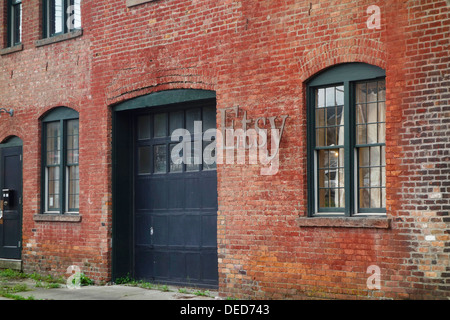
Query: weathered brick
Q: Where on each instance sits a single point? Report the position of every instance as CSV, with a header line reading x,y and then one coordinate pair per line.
x,y
257,55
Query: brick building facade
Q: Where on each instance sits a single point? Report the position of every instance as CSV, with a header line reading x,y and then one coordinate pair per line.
x,y
108,65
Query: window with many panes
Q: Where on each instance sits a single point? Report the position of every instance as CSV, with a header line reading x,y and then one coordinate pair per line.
x,y
158,152
346,141
14,15
60,161
61,16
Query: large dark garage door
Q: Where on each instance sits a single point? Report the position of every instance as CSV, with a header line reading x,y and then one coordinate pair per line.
x,y
175,216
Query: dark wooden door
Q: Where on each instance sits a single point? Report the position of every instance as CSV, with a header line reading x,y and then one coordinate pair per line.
x,y
175,223
11,222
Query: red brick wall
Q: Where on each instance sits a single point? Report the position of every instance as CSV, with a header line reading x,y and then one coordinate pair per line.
x,y
257,55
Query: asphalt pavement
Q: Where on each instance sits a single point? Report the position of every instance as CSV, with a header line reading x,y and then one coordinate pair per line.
x,y
110,292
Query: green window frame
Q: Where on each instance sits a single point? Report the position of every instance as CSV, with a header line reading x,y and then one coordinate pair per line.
x,y
346,141
14,22
60,162
60,16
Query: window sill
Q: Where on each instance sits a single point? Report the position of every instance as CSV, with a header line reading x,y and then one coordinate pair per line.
x,y
345,222
12,49
59,38
46,217
132,3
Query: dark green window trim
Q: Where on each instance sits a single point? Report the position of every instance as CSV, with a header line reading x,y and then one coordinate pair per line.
x,y
60,17
14,23
59,119
346,76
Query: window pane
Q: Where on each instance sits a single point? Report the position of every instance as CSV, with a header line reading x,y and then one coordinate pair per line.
x,y
341,198
372,177
53,146
340,95
329,119
323,176
331,178
177,165
143,127
330,96
361,114
16,22
74,188
375,156
72,141
375,200
364,177
53,188
331,116
323,198
375,177
196,157
364,159
372,133
361,134
340,136
321,137
160,125
159,158
364,198
372,91
381,112
340,115
382,90
372,112
320,98
209,118
56,16
361,89
331,136
144,165
320,117
192,115
176,121
323,159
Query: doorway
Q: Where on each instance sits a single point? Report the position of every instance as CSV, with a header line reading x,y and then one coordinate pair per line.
x,y
11,199
164,213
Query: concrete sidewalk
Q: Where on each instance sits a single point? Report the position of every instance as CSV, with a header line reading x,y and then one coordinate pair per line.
x,y
109,292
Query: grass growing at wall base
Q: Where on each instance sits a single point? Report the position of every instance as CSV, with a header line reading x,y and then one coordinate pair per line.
x,y
12,282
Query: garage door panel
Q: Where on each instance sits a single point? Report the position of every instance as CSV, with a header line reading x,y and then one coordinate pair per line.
x,y
142,229
209,192
160,230
193,266
158,194
192,231
176,209
161,265
176,230
192,194
209,266
176,187
209,231
144,262
177,266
